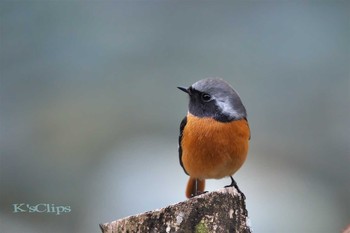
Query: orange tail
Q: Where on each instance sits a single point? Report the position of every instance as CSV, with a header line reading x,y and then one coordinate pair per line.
x,y
191,187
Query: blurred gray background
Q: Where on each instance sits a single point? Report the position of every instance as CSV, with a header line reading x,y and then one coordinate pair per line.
x,y
90,112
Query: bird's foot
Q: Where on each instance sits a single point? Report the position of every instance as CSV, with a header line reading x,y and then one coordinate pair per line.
x,y
234,184
198,193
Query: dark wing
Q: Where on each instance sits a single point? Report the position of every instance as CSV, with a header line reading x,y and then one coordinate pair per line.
x,y
182,126
248,127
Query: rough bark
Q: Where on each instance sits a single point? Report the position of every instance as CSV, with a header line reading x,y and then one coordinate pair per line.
x,y
221,211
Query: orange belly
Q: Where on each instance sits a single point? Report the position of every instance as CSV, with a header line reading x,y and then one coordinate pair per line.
x,y
213,149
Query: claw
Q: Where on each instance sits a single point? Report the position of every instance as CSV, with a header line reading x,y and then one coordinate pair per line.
x,y
234,184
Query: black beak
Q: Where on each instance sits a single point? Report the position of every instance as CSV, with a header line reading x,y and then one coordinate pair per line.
x,y
184,89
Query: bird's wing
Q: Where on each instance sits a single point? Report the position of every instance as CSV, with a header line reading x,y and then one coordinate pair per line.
x,y
182,126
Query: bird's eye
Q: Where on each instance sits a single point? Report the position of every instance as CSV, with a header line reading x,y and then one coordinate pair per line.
x,y
206,97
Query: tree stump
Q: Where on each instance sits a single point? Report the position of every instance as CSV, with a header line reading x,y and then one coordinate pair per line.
x,y
221,211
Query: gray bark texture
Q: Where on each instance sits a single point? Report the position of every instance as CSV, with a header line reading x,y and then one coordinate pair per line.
x,y
221,211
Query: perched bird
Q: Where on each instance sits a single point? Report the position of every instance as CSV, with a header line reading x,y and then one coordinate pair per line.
x,y
214,136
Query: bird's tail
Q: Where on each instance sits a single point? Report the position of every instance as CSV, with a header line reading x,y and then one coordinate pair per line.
x,y
194,187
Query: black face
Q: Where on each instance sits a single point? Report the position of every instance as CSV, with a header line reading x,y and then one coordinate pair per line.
x,y
204,105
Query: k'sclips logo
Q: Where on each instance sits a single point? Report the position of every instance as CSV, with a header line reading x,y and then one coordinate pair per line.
x,y
40,208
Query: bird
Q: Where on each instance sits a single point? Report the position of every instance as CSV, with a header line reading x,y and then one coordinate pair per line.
x,y
214,135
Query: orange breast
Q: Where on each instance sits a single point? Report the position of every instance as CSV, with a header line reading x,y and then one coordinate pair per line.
x,y
213,149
